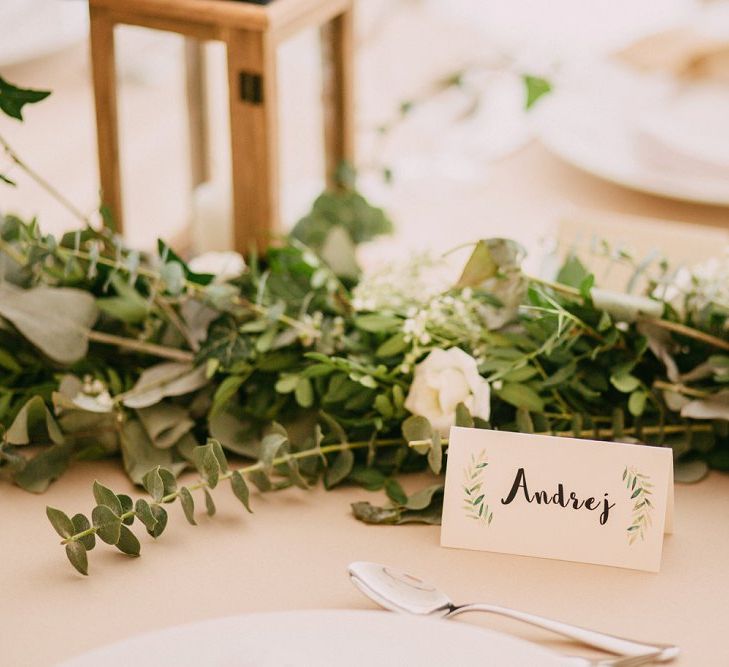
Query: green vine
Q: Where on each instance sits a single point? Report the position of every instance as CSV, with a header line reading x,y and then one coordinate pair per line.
x,y
639,487
475,500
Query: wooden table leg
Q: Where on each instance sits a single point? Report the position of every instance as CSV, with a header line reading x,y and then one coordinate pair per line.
x,y
337,39
197,111
107,127
254,138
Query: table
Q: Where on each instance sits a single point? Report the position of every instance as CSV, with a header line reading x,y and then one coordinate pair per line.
x,y
292,554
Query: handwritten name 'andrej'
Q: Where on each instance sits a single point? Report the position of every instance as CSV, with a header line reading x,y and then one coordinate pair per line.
x,y
558,498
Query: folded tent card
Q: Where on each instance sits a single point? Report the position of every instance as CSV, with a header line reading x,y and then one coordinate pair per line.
x,y
554,497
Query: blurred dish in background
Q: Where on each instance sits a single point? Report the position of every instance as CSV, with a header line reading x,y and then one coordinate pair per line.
x,y
655,118
31,29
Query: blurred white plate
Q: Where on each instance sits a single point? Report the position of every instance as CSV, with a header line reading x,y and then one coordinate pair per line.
x,y
597,122
321,639
34,28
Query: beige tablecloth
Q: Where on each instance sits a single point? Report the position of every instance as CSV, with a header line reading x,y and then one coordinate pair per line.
x,y
292,554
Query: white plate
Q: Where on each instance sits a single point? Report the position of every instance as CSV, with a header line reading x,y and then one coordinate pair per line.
x,y
593,123
321,639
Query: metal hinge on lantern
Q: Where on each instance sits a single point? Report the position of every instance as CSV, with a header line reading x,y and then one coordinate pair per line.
x,y
251,88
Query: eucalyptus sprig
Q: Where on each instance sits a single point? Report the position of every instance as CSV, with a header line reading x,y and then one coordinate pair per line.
x,y
114,513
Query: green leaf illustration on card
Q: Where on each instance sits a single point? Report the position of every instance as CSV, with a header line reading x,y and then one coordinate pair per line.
x,y
639,488
475,500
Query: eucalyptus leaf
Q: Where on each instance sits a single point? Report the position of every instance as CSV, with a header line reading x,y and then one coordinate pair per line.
x,y
128,542
80,525
240,489
34,423
76,553
340,468
56,320
166,379
45,467
105,496
188,505
108,525
209,503
60,521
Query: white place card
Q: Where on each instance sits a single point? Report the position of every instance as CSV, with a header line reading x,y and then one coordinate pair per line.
x,y
552,497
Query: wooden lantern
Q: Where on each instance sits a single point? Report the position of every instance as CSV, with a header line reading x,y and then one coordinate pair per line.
x,y
251,32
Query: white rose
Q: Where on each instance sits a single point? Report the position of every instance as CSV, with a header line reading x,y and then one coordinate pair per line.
x,y
223,265
444,379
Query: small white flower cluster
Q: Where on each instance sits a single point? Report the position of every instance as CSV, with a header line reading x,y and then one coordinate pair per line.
x,y
94,396
448,319
403,286
703,286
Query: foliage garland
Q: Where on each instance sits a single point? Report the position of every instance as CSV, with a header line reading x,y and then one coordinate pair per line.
x,y
304,368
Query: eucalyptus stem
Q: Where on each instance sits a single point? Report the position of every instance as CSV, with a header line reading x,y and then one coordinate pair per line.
x,y
246,470
141,346
689,332
681,389
42,182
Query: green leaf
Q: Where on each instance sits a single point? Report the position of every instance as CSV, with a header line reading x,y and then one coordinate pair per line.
x,y
368,513
225,392
295,476
395,492
521,396
240,489
128,542
128,306
536,88
160,516
423,498
8,181
188,505
60,522
80,524
384,406
636,402
463,416
260,479
417,428
140,455
376,323
304,393
481,266
105,496
54,319
370,478
270,447
107,524
166,379
573,272
153,484
340,468
625,382
44,467
524,421
435,455
13,99
168,481
217,449
209,503
393,346
211,467
145,515
34,423
167,254
77,555
173,276
127,506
